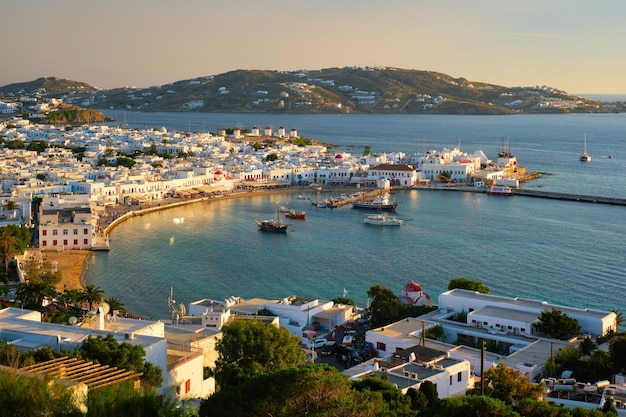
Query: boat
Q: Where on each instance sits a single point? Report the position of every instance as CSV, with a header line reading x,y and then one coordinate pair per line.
x,y
301,197
380,202
284,209
585,157
500,190
382,220
296,214
275,225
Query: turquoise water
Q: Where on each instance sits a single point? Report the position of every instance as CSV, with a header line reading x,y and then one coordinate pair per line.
x,y
562,252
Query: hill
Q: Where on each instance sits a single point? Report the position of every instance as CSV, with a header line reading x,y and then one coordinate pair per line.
x,y
332,90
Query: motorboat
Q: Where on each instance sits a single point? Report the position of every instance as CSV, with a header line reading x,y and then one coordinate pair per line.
x,y
382,220
380,202
500,190
296,214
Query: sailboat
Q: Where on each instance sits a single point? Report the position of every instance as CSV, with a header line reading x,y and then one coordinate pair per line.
x,y
585,157
274,225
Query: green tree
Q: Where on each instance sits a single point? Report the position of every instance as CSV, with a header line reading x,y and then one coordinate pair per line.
x,y
41,176
28,396
115,304
271,157
15,144
107,351
508,385
305,390
619,319
468,284
8,246
11,206
557,324
393,401
384,306
32,294
250,347
123,161
617,350
93,295
343,300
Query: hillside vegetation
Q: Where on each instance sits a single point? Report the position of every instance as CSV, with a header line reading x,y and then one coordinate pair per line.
x,y
331,90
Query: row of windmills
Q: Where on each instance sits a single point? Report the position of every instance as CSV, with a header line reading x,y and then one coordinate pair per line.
x,y
256,131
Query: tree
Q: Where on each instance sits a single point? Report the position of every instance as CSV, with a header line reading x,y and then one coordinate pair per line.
x,y
619,319
8,246
250,347
32,396
11,206
115,304
343,300
468,284
617,349
508,385
305,390
107,351
33,293
557,324
93,295
385,307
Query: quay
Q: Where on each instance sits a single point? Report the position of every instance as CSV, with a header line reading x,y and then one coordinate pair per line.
x,y
570,197
552,195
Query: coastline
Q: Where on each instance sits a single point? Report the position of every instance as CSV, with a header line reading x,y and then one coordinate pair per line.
x,y
74,263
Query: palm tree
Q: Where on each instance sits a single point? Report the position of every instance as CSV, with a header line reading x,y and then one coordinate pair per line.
x,y
34,293
93,295
8,246
115,304
11,206
619,319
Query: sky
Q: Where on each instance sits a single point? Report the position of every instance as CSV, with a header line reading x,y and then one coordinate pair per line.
x,y
574,45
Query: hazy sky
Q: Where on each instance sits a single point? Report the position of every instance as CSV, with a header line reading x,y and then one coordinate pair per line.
x,y
575,45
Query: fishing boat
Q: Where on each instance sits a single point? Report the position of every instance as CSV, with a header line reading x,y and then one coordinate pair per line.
x,y
296,214
382,220
500,190
585,157
275,225
380,202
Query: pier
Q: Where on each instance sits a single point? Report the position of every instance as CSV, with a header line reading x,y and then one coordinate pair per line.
x,y
570,197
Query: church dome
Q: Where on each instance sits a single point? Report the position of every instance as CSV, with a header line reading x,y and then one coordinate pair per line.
x,y
412,287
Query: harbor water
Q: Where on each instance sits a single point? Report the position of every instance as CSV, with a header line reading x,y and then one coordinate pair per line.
x,y
568,253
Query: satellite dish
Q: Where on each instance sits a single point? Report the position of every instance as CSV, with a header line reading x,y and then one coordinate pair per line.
x,y
104,308
72,320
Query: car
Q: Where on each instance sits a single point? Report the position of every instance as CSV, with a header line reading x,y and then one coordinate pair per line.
x,y
329,348
348,340
348,355
316,344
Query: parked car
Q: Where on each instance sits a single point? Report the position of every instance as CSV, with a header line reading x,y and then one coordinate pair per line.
x,y
348,355
348,340
317,343
329,348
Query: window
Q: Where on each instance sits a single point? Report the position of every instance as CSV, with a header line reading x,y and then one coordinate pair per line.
x,y
187,386
450,379
85,231
54,242
75,231
76,241
65,242
86,241
55,232
459,377
381,346
65,232
44,243
44,232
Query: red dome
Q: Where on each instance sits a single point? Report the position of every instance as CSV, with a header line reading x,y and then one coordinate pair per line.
x,y
412,287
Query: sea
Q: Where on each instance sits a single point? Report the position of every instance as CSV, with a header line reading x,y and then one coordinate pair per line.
x,y
562,252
